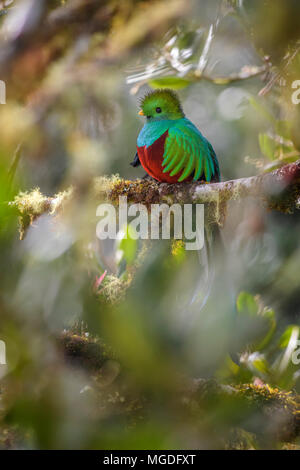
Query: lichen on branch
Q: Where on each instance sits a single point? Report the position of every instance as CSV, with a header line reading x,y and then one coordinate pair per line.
x,y
32,204
278,190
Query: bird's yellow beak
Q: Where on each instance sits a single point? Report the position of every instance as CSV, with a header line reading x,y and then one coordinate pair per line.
x,y
141,113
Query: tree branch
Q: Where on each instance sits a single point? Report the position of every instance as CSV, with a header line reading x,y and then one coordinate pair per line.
x,y
277,412
278,190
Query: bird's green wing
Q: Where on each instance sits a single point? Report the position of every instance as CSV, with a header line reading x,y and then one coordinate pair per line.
x,y
187,151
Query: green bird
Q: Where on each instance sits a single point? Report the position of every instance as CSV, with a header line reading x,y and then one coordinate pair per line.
x,y
170,147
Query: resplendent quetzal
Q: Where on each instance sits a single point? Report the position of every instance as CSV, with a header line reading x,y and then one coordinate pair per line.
x,y
169,147
172,150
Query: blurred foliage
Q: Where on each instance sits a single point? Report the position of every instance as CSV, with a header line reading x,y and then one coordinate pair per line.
x,y
106,344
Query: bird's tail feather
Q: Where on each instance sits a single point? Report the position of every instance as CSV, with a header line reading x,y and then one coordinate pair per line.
x,y
213,281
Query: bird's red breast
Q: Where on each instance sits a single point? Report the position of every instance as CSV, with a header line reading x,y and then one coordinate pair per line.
x,y
151,159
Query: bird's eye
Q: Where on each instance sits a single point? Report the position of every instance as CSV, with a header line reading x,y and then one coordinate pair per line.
x,y
158,110
148,117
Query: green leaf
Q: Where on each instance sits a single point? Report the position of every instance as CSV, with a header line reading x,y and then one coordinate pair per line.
x,y
175,83
278,163
246,304
257,364
285,338
287,366
284,129
268,315
265,319
267,146
261,364
128,245
258,106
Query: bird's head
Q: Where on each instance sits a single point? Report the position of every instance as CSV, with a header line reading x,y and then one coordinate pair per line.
x,y
161,104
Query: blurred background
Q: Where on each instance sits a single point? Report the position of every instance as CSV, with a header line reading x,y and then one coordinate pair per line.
x,y
97,355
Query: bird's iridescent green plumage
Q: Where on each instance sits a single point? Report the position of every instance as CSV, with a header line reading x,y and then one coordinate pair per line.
x,y
171,149
186,151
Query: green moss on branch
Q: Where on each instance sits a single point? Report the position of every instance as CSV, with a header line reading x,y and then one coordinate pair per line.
x,y
277,412
277,190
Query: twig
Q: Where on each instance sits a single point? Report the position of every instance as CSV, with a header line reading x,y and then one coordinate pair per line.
x,y
15,163
267,88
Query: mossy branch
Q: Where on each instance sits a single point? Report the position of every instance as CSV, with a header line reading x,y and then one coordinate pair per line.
x,y
84,352
277,412
278,190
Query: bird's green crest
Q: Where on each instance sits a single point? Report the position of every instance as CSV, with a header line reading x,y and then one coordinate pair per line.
x,y
161,104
